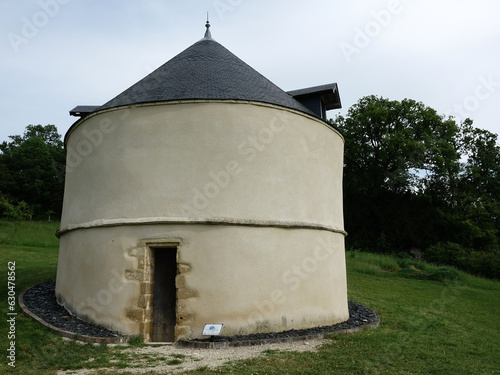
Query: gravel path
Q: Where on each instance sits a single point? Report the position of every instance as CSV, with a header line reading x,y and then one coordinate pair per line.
x,y
41,301
193,358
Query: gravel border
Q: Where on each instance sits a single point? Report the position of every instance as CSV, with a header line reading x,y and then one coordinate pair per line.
x,y
39,302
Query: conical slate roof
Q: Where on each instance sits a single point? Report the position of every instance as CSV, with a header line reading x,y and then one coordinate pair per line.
x,y
206,70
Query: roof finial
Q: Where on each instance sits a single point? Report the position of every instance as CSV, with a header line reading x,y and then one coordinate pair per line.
x,y
207,25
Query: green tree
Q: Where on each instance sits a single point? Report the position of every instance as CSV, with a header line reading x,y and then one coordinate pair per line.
x,y
397,146
28,169
48,134
395,154
416,180
480,186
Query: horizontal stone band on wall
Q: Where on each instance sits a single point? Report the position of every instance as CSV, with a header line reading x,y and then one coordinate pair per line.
x,y
101,223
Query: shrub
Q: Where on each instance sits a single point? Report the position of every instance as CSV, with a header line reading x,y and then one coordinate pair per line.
x,y
444,274
446,253
10,210
483,263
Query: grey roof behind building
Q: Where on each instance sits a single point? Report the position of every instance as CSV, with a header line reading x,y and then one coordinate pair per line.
x,y
83,110
209,71
329,93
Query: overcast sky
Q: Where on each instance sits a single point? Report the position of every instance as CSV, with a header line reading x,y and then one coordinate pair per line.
x,y
56,54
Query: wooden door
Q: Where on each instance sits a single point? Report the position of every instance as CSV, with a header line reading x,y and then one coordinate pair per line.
x,y
164,294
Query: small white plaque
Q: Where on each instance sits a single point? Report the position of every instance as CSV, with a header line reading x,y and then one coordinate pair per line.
x,y
212,329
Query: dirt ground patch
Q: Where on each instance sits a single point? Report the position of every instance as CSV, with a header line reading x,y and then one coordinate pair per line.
x,y
166,359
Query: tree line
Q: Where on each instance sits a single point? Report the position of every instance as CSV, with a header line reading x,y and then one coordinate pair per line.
x,y
32,174
415,183
418,183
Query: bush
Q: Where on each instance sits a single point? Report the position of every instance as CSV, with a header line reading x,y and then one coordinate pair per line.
x,y
444,274
486,264
10,210
446,253
481,263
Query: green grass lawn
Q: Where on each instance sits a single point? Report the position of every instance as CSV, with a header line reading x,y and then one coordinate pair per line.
x,y
434,320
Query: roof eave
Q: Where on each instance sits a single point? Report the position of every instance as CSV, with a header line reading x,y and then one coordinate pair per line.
x,y
329,93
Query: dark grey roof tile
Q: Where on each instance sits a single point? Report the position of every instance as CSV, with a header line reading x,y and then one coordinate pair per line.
x,y
206,70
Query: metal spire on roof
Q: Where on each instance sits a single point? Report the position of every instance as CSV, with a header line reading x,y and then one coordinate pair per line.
x,y
207,25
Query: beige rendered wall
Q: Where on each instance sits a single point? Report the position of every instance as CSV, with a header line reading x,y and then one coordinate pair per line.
x,y
268,179
251,279
199,160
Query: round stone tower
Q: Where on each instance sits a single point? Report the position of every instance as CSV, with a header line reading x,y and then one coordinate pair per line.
x,y
204,194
